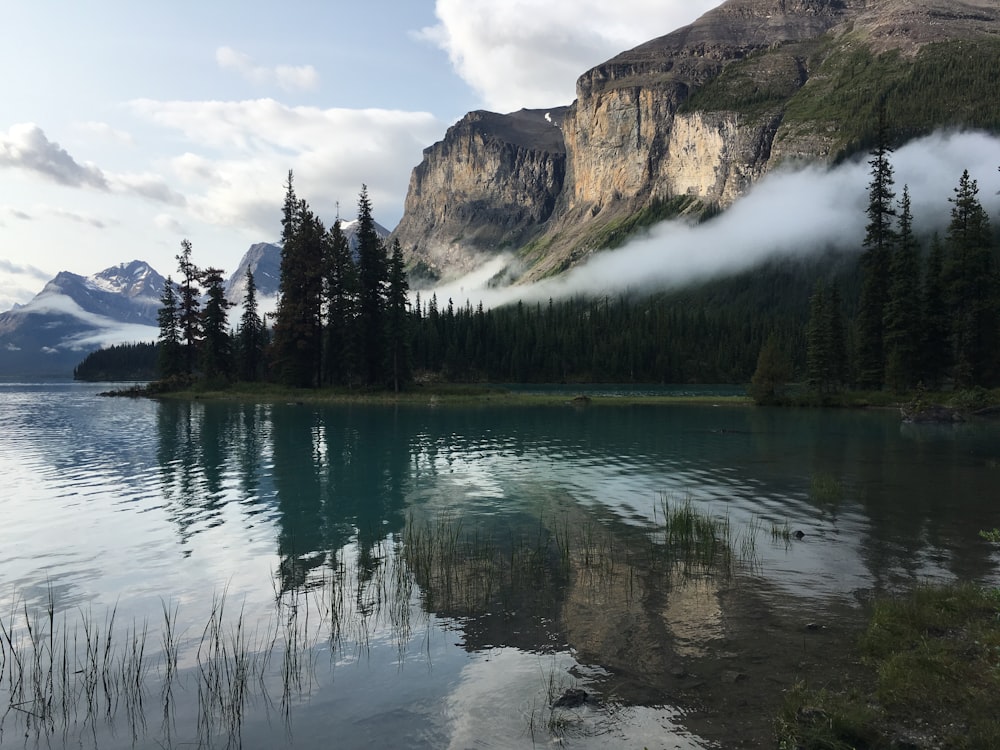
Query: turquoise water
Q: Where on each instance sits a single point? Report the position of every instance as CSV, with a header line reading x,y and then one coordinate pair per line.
x,y
278,531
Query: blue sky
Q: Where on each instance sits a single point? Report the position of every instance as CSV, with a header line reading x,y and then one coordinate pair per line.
x,y
127,127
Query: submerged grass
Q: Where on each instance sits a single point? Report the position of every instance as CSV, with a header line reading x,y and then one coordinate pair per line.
x,y
935,657
77,670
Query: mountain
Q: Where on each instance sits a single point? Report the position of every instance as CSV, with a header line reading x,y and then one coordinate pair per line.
x,y
264,260
684,124
74,315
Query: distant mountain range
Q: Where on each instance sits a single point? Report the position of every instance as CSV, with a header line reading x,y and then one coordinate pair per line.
x,y
75,315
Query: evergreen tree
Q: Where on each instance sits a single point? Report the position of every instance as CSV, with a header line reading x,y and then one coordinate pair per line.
x,y
902,312
297,346
879,239
400,357
935,349
372,278
971,287
250,339
839,370
217,349
773,371
189,308
170,358
826,356
341,292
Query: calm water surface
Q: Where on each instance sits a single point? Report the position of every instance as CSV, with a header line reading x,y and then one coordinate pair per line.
x,y
256,555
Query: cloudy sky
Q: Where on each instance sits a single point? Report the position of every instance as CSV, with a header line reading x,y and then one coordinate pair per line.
x,y
127,127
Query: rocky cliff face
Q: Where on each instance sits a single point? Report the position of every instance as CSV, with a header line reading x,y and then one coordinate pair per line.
x,y
491,183
701,113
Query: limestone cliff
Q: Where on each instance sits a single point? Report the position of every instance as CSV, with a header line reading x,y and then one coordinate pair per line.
x,y
491,183
689,121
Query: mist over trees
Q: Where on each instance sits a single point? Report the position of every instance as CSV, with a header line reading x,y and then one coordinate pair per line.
x,y
907,312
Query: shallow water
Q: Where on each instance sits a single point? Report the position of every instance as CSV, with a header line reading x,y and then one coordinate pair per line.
x,y
292,520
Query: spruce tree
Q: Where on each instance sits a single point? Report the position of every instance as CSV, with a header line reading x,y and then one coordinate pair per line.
x,y
971,287
170,358
341,294
372,278
935,348
250,338
189,307
217,348
902,312
826,350
879,238
297,346
400,356
773,371
818,353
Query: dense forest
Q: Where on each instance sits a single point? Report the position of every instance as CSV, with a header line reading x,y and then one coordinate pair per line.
x,y
120,362
905,312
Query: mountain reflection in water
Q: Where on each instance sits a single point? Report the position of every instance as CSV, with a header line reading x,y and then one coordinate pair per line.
x,y
445,574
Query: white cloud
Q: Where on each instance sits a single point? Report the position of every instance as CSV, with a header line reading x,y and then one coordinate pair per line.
x,y
168,223
147,185
25,146
787,213
288,77
105,131
42,211
255,142
529,53
19,282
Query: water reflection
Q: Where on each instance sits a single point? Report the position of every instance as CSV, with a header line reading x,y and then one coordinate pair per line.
x,y
297,509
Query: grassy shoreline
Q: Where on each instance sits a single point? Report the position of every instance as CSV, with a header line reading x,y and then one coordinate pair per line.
x,y
933,655
438,394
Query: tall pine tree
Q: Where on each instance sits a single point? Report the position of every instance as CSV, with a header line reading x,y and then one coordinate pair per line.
x,y
935,348
170,359
251,336
400,356
217,343
879,238
189,307
341,292
372,282
971,287
902,312
297,345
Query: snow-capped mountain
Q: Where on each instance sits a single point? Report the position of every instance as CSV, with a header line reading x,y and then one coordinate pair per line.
x,y
74,315
264,260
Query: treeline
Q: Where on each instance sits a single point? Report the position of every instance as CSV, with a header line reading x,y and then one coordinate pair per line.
x,y
926,317
119,362
341,320
907,313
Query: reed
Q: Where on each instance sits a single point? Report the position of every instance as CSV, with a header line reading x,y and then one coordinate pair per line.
x,y
75,670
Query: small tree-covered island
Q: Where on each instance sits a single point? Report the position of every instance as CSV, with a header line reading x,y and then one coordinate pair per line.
x,y
906,319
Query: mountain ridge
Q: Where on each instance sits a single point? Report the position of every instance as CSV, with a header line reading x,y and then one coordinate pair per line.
x,y
689,121
73,315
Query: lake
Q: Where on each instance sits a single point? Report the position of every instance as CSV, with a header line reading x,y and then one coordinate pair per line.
x,y
291,575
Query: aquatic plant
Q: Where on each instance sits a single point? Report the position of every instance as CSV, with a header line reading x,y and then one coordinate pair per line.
x,y
827,489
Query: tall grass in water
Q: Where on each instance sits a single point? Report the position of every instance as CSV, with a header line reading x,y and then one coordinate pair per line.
x,y
77,670
698,540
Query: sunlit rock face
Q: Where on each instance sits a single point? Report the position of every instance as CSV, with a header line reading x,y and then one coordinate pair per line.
x,y
546,185
492,182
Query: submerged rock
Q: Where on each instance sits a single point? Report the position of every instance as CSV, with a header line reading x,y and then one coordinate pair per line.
x,y
574,698
921,413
